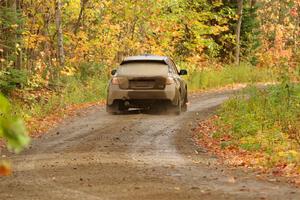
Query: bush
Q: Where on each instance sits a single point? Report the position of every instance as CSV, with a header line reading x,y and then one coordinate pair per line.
x,y
74,91
12,79
87,70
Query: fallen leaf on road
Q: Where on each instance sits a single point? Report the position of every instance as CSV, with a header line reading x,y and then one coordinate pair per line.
x,y
231,180
5,169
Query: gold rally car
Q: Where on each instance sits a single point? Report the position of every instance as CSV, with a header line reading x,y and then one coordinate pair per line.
x,y
147,82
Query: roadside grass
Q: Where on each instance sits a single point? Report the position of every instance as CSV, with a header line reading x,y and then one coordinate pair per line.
x,y
73,92
212,77
35,106
263,121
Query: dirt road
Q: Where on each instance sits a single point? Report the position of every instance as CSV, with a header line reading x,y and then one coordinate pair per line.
x,y
133,156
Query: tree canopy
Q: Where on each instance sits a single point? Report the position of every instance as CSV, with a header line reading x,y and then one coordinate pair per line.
x,y
41,39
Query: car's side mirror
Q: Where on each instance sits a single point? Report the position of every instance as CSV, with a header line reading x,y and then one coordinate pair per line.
x,y
183,72
113,72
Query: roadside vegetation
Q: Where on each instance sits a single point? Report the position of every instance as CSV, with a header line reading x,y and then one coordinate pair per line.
x,y
265,121
71,90
216,77
259,128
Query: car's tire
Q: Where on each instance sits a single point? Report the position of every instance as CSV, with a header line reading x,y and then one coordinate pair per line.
x,y
177,109
113,109
184,105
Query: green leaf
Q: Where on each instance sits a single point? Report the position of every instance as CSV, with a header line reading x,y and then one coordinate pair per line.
x,y
12,128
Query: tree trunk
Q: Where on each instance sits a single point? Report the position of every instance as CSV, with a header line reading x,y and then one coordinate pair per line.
x,y
238,31
252,3
60,44
297,29
18,63
76,27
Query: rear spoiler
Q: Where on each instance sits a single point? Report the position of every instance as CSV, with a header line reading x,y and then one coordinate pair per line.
x,y
141,60
157,59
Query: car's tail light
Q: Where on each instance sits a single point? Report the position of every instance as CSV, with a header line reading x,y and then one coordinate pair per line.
x,y
170,81
115,81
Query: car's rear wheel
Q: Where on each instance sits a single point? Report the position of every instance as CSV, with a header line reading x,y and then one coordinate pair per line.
x,y
177,109
184,105
116,108
112,109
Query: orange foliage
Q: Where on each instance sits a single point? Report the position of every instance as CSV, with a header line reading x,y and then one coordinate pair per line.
x,y
280,33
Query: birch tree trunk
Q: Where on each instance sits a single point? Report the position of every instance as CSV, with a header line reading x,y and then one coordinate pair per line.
x,y
238,31
60,44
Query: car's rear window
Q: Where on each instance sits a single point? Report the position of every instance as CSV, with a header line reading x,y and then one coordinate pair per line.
x,y
143,69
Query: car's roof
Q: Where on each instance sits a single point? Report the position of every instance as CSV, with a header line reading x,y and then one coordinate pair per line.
x,y
163,59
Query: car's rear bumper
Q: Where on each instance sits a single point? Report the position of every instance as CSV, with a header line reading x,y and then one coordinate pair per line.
x,y
115,93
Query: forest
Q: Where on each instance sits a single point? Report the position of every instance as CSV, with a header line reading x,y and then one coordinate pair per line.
x,y
54,54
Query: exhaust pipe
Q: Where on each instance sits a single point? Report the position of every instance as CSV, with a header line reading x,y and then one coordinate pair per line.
x,y
126,104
